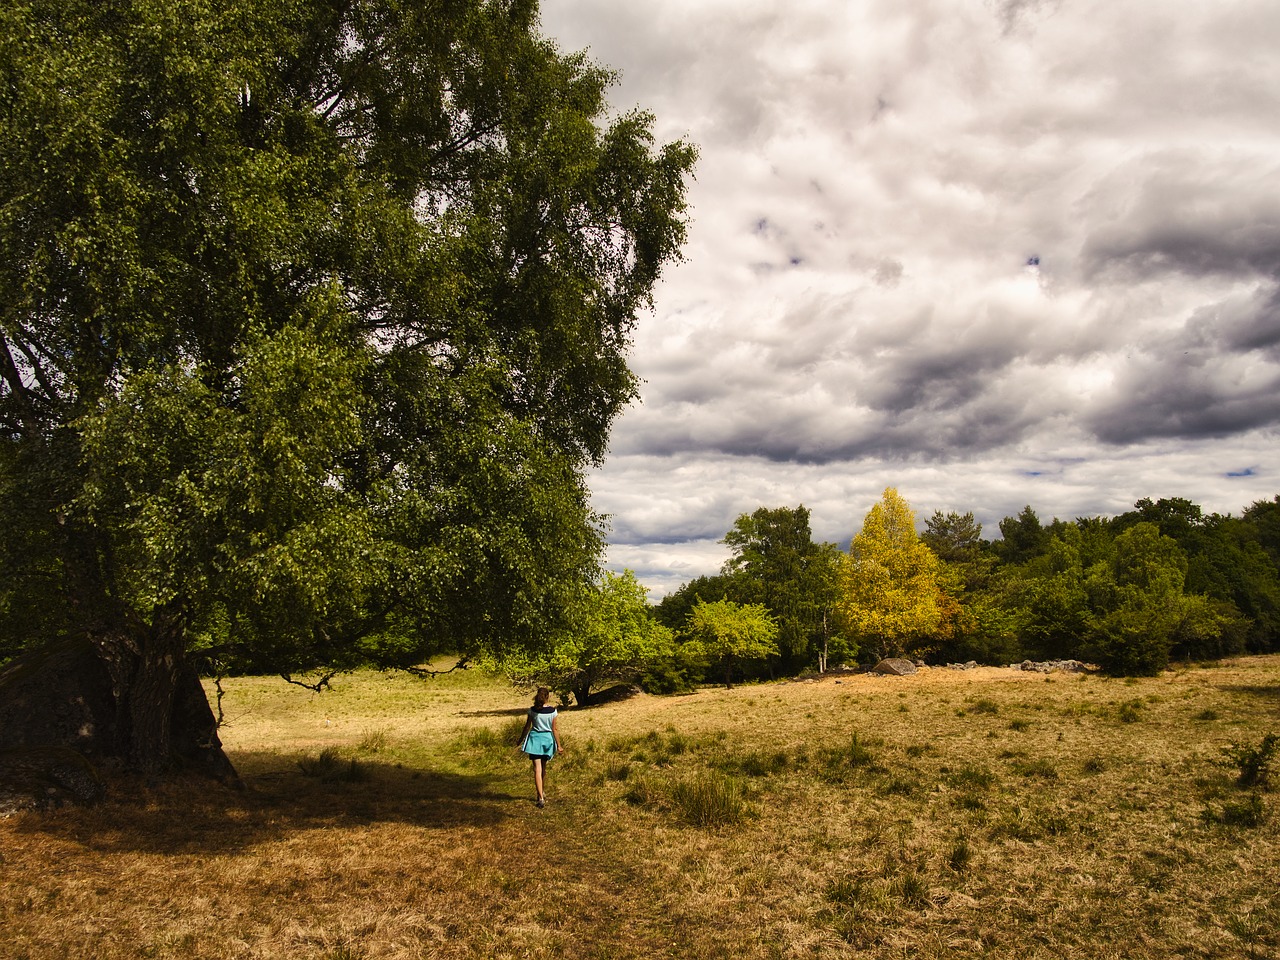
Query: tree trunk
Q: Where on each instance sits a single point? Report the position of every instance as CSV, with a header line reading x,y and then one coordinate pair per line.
x,y
69,694
582,695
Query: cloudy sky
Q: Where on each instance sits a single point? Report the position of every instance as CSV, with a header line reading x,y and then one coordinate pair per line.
x,y
989,252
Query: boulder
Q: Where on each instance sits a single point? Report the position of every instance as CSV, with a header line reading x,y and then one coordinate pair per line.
x,y
895,667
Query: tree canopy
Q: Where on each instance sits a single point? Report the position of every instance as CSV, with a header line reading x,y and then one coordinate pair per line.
x,y
777,564
728,634
891,593
313,315
612,638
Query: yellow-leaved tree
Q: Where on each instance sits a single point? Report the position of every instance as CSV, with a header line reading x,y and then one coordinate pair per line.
x,y
890,589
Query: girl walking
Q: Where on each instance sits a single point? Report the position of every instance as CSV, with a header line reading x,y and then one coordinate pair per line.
x,y
540,740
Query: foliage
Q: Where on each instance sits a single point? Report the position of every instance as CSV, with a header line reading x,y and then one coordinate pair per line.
x,y
613,639
890,581
776,563
1022,538
955,538
314,316
1139,602
729,634
674,609
1254,763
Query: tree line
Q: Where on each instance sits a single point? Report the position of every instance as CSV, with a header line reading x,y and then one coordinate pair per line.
x,y
1161,582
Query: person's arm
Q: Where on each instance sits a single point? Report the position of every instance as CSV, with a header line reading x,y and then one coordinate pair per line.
x,y
555,732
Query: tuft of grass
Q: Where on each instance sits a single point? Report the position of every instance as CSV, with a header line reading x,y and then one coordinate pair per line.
x,y
1130,711
1248,813
1038,768
971,778
912,890
373,739
329,767
643,792
985,705
961,856
860,755
709,800
846,892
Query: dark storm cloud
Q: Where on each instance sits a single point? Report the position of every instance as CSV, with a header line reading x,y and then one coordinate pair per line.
x,y
1219,375
1197,213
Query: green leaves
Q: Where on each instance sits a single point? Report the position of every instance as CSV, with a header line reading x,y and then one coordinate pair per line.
x,y
315,314
728,633
610,638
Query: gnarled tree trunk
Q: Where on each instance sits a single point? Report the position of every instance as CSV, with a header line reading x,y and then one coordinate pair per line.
x,y
119,708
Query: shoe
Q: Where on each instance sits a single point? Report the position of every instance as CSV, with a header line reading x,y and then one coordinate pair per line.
x,y
541,803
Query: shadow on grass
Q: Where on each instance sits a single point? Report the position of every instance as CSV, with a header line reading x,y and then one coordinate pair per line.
x,y
200,816
506,712
1267,692
614,694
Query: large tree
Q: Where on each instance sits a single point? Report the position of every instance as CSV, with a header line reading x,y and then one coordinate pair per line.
x,y
313,314
728,634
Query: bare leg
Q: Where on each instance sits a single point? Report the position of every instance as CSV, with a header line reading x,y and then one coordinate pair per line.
x,y
539,769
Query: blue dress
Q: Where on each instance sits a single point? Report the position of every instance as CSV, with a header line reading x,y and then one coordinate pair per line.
x,y
540,741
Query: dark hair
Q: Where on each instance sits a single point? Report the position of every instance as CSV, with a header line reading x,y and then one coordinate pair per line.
x,y
542,696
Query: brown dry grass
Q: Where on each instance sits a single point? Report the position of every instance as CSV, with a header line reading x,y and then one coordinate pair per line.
x,y
989,813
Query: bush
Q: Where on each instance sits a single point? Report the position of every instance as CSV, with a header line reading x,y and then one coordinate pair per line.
x,y
666,677
1254,763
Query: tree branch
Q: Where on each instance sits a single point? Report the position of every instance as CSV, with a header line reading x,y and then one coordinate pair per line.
x,y
463,663
319,686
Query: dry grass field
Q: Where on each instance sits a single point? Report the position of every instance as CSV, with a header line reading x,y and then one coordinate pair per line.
x,y
987,813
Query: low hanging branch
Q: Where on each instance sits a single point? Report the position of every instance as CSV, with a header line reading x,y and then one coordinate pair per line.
x,y
462,664
318,686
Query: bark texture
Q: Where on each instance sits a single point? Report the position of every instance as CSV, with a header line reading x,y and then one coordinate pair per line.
x,y
63,701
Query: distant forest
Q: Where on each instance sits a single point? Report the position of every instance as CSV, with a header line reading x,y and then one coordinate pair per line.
x,y
1162,582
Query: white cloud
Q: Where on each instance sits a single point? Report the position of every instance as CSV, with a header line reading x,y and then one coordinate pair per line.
x,y
857,310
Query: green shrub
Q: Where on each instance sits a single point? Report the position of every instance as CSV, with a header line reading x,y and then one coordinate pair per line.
x,y
1254,763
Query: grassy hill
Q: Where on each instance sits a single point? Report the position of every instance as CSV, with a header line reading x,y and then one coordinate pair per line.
x,y
989,813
